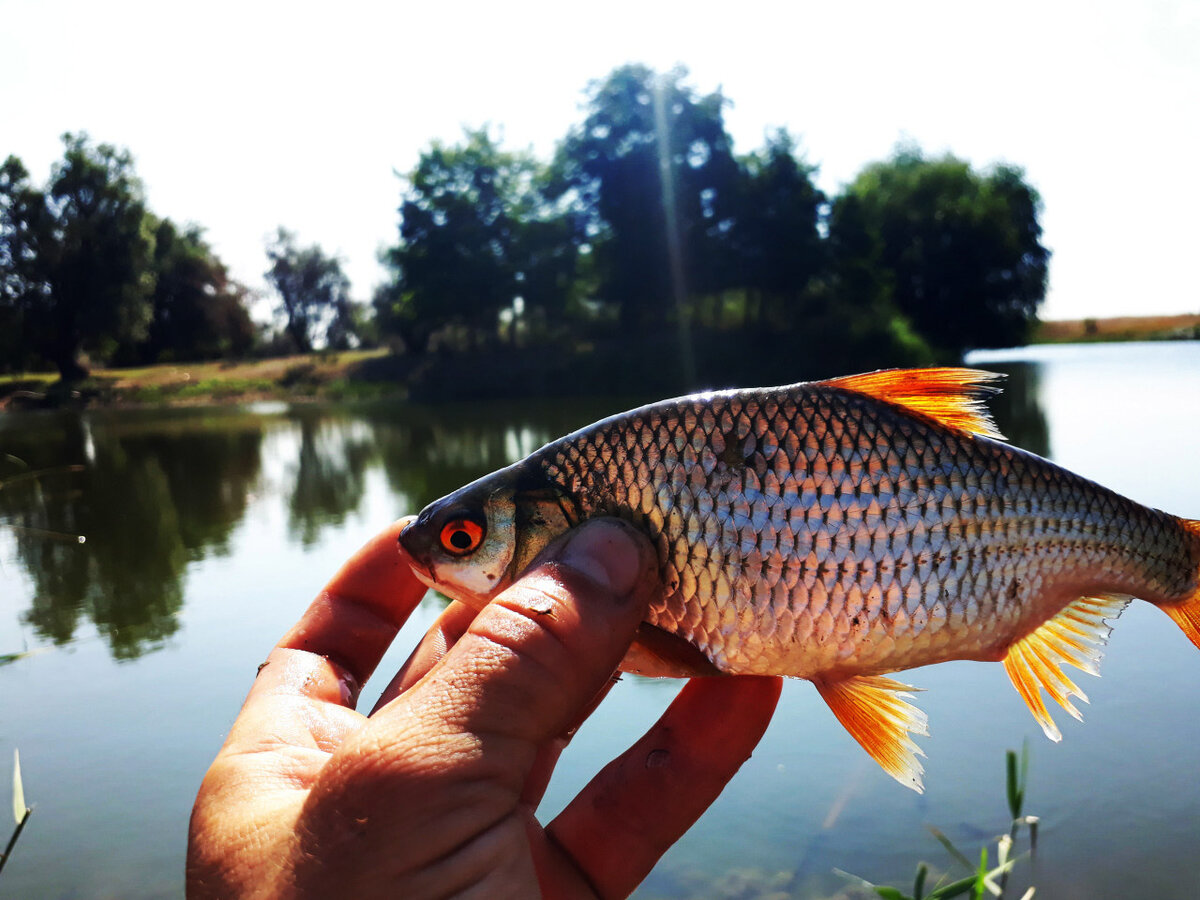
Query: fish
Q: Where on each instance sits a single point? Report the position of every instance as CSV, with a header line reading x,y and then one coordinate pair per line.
x,y
838,531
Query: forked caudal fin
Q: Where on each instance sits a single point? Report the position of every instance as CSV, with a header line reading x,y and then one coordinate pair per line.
x,y
875,712
1075,636
1186,613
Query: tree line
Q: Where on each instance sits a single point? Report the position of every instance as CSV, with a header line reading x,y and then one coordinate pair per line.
x,y
644,231
87,268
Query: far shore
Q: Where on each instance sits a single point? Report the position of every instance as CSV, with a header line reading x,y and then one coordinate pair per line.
x,y
1120,328
374,374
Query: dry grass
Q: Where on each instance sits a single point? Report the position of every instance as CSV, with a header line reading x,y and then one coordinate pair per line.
x,y
333,366
309,376
1122,328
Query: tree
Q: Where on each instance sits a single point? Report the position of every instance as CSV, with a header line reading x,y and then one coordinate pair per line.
x,y
653,169
476,232
21,212
961,249
777,245
74,259
198,311
313,291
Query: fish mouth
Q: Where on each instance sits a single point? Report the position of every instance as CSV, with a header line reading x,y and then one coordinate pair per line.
x,y
415,554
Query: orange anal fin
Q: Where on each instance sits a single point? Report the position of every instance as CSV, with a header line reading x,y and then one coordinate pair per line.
x,y
952,396
1075,636
875,712
659,654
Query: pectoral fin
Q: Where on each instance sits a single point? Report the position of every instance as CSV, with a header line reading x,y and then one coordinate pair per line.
x,y
1075,636
659,654
875,712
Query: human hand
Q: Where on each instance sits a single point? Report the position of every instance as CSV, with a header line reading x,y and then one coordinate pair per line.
x,y
434,794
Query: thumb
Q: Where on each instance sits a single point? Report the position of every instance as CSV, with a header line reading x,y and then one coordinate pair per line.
x,y
541,650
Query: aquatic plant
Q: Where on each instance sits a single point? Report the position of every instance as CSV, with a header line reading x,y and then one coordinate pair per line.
x,y
984,880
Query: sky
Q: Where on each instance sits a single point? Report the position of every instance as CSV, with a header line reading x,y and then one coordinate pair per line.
x,y
244,116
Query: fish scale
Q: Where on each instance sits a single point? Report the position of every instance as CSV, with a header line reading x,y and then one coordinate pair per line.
x,y
838,531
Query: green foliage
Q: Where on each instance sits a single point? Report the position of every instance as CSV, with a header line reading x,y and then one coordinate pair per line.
x,y
959,250
648,238
652,164
778,250
476,232
645,241
314,294
85,267
75,259
198,311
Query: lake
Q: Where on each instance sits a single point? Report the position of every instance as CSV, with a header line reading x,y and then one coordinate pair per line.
x,y
124,658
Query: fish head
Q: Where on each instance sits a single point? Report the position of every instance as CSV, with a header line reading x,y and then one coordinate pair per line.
x,y
473,543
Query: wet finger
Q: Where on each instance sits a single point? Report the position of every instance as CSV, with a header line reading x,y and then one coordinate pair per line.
x,y
658,788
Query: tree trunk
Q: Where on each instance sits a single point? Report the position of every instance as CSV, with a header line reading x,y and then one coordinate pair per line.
x,y
66,359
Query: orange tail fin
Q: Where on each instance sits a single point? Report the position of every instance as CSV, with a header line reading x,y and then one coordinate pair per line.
x,y
1186,613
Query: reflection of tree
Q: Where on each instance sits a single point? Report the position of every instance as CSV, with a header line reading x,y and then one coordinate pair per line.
x,y
428,453
145,502
331,462
1018,408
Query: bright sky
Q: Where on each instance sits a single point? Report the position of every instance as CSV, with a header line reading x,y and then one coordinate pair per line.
x,y
247,115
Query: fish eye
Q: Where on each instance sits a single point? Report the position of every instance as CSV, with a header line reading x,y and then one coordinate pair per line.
x,y
461,536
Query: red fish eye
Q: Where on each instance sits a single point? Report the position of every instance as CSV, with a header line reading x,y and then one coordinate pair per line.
x,y
461,536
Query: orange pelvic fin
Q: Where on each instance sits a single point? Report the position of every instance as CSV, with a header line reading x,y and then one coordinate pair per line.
x,y
1186,614
952,396
1075,636
875,712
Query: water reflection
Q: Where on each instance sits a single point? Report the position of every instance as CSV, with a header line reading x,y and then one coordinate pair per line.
x,y
152,493
428,453
328,473
1018,407
146,500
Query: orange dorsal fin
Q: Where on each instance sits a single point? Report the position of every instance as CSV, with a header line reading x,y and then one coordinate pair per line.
x,y
875,712
1075,636
953,397
1186,613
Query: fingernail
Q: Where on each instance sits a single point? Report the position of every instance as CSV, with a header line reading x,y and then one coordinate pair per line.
x,y
606,552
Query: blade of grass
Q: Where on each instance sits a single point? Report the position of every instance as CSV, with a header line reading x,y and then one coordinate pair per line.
x,y
19,807
980,873
21,812
1013,784
951,849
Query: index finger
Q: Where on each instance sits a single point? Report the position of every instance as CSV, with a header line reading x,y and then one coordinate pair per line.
x,y
354,619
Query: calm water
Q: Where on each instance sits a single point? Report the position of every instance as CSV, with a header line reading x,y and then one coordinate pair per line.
x,y
208,532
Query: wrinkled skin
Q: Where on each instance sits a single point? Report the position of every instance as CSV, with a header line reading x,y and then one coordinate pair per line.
x,y
434,794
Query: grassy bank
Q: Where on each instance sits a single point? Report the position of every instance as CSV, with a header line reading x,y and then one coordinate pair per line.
x,y
334,376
